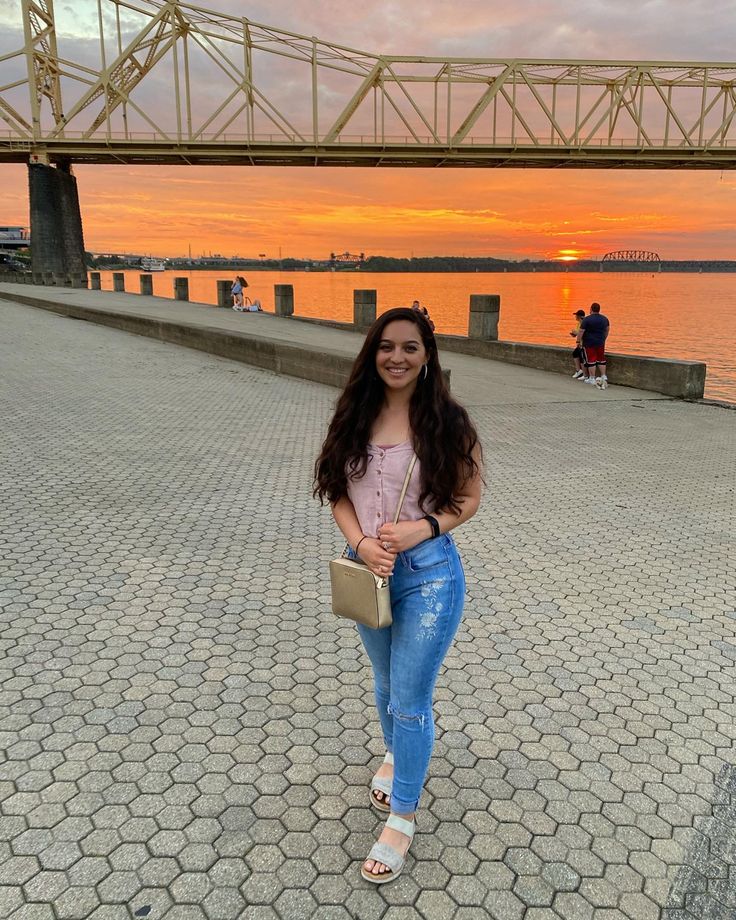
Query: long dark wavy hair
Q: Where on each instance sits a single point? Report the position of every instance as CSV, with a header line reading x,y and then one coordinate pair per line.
x,y
443,434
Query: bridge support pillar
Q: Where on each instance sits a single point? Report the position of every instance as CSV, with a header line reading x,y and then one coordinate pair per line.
x,y
57,242
284,297
364,308
484,312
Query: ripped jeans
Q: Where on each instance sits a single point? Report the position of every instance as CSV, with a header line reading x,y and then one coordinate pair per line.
x,y
427,596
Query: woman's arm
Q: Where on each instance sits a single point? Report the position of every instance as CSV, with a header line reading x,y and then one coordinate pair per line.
x,y
407,534
347,520
468,499
375,556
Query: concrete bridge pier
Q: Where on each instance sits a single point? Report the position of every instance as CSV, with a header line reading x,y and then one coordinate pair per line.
x,y
56,221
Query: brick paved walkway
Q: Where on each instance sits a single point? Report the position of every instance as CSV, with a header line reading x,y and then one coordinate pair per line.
x,y
183,727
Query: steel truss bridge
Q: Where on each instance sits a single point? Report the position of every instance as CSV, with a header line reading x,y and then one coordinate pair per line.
x,y
631,255
170,82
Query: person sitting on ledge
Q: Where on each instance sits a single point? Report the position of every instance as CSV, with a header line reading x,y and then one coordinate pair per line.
x,y
424,311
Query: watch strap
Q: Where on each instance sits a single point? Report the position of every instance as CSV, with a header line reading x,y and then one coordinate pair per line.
x,y
434,524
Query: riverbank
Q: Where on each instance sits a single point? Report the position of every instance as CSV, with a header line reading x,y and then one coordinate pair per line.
x,y
443,265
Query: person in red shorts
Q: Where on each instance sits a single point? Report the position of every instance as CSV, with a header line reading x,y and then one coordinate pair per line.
x,y
592,336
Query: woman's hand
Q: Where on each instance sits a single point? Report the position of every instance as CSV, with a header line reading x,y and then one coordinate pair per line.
x,y
397,538
378,559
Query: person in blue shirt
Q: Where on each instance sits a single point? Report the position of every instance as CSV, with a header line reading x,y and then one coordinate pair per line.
x,y
592,336
237,292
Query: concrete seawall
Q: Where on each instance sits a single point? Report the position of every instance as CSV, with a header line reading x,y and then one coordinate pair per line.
x,y
672,377
281,351
268,354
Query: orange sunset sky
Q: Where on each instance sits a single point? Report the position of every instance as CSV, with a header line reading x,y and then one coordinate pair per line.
x,y
506,213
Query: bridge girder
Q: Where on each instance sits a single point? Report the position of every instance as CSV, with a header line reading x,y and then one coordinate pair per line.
x,y
237,91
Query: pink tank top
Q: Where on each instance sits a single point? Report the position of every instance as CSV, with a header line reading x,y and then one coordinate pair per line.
x,y
375,497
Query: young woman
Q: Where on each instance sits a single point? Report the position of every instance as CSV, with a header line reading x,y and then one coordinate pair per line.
x,y
396,403
236,289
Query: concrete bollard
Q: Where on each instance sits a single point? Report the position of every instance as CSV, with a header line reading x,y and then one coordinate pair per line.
x,y
147,285
94,281
181,288
364,308
118,282
79,280
224,297
284,297
483,320
61,279
37,277
47,278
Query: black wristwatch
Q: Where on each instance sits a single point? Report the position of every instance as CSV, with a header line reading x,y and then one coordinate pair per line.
x,y
434,524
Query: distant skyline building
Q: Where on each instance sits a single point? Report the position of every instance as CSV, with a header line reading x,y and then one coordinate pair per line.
x,y
13,238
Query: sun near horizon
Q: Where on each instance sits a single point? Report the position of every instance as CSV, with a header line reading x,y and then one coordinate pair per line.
x,y
568,255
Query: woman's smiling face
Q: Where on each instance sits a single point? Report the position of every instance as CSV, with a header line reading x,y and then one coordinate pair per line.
x,y
401,355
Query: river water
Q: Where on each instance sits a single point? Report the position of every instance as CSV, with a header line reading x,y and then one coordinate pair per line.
x,y
689,316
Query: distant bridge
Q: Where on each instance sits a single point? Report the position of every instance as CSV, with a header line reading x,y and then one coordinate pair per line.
x,y
348,257
631,255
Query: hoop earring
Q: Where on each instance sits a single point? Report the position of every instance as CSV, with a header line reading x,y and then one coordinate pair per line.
x,y
425,372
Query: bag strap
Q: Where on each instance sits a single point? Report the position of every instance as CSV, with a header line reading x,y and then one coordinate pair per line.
x,y
405,487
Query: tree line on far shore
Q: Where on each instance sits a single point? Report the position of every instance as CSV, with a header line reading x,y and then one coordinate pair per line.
x,y
421,264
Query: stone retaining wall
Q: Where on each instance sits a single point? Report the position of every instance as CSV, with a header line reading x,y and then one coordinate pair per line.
x,y
682,379
332,368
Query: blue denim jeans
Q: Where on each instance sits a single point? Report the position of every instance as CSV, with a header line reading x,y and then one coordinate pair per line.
x,y
427,596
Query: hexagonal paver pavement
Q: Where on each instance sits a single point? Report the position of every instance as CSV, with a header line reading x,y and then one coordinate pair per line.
x,y
183,725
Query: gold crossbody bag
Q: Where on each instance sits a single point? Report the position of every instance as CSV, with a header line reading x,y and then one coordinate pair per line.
x,y
358,594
